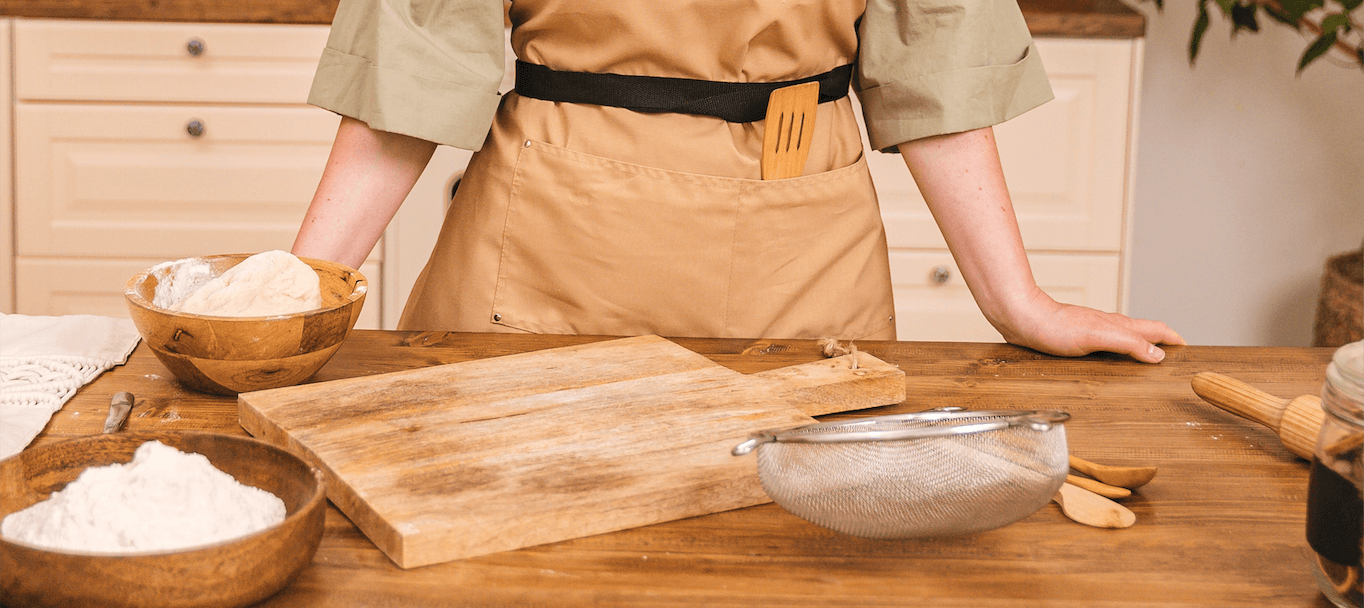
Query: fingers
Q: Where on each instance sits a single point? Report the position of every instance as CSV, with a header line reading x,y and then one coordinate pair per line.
x,y
1140,338
1118,338
1155,331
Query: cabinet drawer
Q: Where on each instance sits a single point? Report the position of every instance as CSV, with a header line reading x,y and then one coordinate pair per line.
x,y
133,61
1065,162
125,180
70,286
929,310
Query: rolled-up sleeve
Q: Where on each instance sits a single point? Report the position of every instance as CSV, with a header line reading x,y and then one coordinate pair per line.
x,y
425,68
929,67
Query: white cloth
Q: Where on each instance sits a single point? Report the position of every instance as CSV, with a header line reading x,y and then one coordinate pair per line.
x,y
44,360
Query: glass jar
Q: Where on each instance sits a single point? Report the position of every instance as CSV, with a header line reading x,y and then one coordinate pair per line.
x,y
1335,501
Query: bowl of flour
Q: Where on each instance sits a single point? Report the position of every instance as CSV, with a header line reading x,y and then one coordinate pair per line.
x,y
234,323
186,520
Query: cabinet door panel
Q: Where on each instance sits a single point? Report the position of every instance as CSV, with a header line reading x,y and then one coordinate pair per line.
x,y
1065,162
6,193
132,61
67,286
130,180
929,310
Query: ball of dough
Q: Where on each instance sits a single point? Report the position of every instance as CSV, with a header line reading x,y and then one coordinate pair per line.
x,y
266,284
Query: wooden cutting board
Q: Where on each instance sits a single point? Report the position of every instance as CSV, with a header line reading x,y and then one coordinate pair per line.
x,y
470,458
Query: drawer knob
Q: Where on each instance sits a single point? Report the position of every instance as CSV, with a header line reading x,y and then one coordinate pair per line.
x,y
940,274
195,127
195,47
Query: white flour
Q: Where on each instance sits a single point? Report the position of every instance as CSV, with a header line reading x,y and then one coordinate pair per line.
x,y
164,500
176,280
265,284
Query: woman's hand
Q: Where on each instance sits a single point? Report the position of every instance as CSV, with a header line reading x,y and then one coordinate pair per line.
x,y
961,179
1041,323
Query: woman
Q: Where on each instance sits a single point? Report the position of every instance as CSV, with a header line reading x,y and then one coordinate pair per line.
x,y
586,210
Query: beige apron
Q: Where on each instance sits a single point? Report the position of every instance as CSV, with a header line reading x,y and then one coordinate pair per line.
x,y
596,220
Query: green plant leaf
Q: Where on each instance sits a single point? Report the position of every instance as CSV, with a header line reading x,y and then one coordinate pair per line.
x,y
1282,17
1243,18
1199,28
1317,49
1227,6
1295,9
1274,11
1351,5
1335,22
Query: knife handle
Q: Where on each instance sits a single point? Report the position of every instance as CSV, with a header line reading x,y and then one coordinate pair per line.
x,y
119,407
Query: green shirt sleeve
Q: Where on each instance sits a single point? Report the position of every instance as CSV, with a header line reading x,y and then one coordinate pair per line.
x,y
425,68
929,67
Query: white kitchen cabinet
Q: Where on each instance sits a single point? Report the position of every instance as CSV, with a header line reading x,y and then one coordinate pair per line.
x,y
6,193
136,143
1068,168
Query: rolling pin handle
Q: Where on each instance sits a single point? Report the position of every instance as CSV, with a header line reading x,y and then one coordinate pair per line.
x,y
1240,398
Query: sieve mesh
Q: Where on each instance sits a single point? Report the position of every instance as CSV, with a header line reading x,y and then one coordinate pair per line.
x,y
921,487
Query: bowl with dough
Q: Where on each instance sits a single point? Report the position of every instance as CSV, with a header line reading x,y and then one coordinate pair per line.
x,y
234,341
235,571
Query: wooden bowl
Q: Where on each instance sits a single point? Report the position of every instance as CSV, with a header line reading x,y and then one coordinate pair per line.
x,y
231,573
230,355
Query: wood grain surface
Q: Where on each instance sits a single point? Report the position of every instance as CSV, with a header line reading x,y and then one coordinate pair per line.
x,y
465,459
1065,18
1221,525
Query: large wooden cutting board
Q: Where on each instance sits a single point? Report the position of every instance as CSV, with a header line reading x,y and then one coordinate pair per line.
x,y
476,457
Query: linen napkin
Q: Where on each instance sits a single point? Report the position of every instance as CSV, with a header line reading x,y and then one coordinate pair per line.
x,y
45,360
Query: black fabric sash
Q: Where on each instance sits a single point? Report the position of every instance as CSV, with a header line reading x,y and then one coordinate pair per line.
x,y
731,101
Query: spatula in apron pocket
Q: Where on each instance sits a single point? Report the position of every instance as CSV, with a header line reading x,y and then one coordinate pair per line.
x,y
790,126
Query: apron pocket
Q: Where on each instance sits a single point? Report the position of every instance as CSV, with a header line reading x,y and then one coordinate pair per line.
x,y
598,246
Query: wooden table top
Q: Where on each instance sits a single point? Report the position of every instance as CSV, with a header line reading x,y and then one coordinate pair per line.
x,y
1064,18
1222,524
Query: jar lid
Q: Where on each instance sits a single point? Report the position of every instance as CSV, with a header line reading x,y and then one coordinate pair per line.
x,y
1345,374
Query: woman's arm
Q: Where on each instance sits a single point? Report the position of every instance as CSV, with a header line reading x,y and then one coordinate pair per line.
x,y
368,175
961,179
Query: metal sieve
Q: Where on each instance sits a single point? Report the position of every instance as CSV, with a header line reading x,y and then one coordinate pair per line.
x,y
938,473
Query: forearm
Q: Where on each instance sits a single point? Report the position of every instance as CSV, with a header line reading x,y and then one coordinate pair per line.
x,y
368,175
960,177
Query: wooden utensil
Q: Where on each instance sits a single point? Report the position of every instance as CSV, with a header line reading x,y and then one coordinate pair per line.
x,y
1098,487
1297,421
789,127
1123,477
489,455
1090,509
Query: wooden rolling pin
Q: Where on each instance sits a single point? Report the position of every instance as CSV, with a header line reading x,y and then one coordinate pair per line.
x,y
1297,421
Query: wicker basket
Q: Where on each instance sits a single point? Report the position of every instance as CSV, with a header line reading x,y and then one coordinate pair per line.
x,y
1340,311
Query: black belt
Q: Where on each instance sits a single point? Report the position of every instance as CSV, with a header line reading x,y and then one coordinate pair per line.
x,y
731,101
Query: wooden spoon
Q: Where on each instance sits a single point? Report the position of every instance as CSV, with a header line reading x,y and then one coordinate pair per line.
x,y
1098,487
1091,509
788,129
1123,477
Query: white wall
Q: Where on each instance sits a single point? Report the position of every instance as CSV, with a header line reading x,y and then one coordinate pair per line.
x,y
1247,179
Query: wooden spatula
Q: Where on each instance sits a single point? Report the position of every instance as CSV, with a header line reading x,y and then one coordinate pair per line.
x,y
789,127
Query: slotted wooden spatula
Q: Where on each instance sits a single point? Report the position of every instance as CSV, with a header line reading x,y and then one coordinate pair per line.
x,y
789,127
